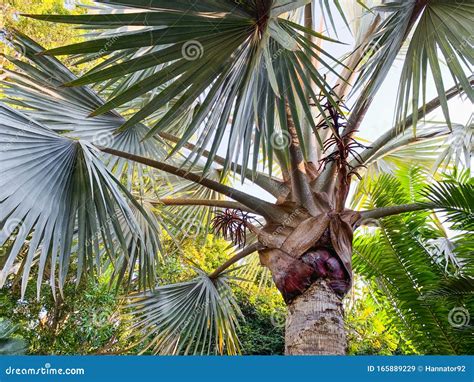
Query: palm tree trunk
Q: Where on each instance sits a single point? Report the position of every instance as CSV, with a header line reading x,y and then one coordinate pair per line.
x,y
315,323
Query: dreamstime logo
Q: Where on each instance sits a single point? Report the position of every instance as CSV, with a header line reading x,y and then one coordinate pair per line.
x,y
278,318
99,319
19,48
370,222
47,369
104,138
192,228
280,140
192,50
70,4
12,226
459,317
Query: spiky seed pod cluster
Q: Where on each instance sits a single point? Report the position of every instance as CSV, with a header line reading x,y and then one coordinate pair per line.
x,y
339,145
232,224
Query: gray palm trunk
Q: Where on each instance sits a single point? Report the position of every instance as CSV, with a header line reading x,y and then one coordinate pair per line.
x,y
315,323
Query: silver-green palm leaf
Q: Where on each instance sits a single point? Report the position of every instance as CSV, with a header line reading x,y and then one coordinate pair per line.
x,y
56,193
199,316
233,62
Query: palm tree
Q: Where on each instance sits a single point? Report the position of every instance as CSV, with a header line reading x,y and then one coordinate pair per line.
x,y
185,95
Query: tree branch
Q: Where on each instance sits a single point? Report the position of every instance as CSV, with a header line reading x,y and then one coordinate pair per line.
x,y
299,179
365,100
326,180
363,103
382,212
267,210
267,183
244,253
201,202
312,147
395,131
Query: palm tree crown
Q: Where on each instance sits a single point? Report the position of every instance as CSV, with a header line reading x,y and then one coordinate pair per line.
x,y
184,98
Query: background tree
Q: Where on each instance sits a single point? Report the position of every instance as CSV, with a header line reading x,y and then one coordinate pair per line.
x,y
10,345
259,79
46,34
424,272
90,319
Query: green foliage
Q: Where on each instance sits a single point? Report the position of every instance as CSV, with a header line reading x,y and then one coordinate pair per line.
x,y
208,252
206,57
44,33
369,324
205,252
86,321
427,284
90,319
9,343
262,330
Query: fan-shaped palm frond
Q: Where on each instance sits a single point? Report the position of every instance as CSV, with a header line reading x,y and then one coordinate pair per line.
x,y
405,150
250,270
55,193
247,55
439,26
35,89
199,316
442,27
